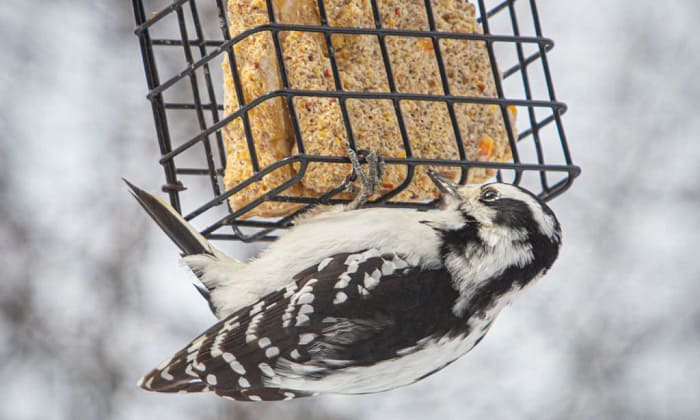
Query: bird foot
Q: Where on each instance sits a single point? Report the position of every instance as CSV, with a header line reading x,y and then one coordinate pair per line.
x,y
369,181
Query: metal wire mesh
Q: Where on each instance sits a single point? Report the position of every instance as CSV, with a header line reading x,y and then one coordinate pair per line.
x,y
183,43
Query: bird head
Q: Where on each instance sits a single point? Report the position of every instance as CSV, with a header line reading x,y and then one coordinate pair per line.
x,y
498,205
496,238
496,212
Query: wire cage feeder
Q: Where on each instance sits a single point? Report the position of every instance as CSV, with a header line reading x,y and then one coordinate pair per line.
x,y
183,43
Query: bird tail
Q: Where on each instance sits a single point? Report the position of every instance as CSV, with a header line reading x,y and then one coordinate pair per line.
x,y
213,268
182,233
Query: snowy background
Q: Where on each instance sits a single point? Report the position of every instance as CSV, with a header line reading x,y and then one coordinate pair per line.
x,y
91,296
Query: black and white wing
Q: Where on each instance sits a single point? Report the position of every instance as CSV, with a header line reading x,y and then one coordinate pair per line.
x,y
349,311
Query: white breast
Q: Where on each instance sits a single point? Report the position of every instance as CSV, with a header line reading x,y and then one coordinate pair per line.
x,y
430,355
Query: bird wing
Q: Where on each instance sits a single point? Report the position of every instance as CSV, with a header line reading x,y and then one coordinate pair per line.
x,y
351,309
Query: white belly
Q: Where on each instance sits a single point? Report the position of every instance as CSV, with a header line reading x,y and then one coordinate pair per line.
x,y
432,355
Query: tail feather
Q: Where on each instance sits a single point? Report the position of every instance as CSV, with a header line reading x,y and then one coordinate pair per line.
x,y
173,224
212,267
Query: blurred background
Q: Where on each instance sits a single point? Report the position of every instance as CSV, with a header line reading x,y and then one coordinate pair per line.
x,y
91,296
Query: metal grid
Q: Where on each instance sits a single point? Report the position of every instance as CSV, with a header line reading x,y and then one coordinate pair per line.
x,y
184,41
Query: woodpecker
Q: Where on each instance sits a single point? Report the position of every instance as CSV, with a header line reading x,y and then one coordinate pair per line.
x,y
357,300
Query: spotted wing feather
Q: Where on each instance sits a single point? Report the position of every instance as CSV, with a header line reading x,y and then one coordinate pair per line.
x,y
349,310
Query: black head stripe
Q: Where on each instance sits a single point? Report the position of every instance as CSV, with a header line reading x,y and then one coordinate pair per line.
x,y
517,214
513,213
455,240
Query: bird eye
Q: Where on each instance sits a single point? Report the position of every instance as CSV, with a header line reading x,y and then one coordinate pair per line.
x,y
490,194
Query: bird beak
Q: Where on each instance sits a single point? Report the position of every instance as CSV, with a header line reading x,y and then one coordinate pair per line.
x,y
446,187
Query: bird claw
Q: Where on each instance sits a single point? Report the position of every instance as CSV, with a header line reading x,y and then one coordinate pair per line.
x,y
368,181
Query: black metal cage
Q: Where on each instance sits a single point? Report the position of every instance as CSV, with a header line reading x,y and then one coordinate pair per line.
x,y
183,43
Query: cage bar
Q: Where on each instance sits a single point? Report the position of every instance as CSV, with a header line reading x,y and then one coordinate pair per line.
x,y
183,43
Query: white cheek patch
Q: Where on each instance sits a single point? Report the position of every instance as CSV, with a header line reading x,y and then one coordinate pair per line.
x,y
478,265
499,236
483,214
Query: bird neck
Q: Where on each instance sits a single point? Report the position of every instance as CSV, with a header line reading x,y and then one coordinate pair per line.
x,y
489,263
